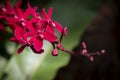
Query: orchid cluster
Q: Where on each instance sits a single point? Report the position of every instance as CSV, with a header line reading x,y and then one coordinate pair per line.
x,y
30,28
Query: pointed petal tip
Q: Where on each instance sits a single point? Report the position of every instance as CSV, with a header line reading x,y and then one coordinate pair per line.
x,y
58,27
13,39
19,2
38,44
39,52
50,12
44,14
20,50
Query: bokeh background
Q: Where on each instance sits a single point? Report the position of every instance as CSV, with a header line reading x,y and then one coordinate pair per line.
x,y
94,21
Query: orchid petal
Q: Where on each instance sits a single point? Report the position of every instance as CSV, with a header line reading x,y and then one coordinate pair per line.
x,y
36,52
28,12
50,29
50,12
19,33
58,27
44,14
38,43
29,34
42,24
2,17
28,4
13,39
20,50
35,8
32,39
8,6
29,25
50,36
19,3
18,10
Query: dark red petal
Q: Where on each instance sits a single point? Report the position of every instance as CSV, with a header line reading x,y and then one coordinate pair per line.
x,y
19,3
29,34
21,49
44,14
29,11
50,36
36,52
50,12
49,29
32,39
29,25
2,16
41,25
2,28
35,8
38,43
13,39
26,13
28,4
39,52
8,6
11,20
58,27
18,10
19,33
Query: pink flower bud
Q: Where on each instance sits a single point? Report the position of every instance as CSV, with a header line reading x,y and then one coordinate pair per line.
x,y
65,31
103,51
84,51
84,45
55,52
91,58
59,46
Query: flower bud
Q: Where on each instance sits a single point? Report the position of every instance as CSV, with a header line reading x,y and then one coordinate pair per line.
x,y
91,58
54,52
84,45
65,31
84,51
102,51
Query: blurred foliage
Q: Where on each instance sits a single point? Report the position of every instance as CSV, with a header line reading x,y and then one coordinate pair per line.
x,y
75,14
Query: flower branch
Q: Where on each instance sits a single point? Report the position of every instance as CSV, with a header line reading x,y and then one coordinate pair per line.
x,y
31,28
83,51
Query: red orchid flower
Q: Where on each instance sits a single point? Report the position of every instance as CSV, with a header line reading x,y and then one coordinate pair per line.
x,y
31,32
51,23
